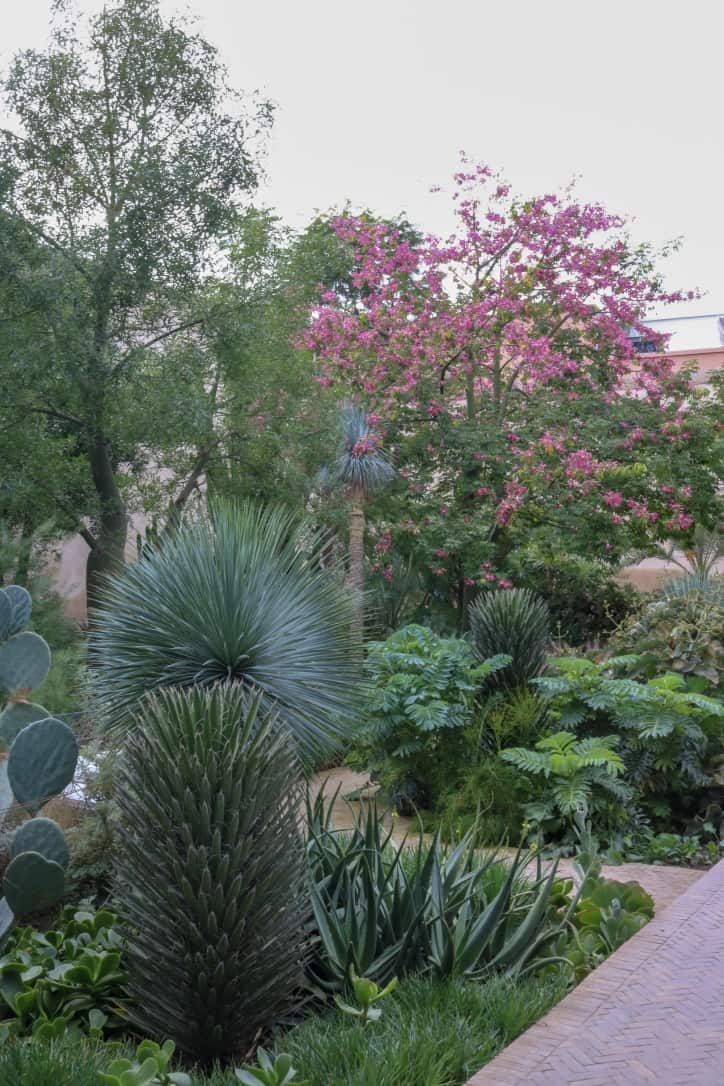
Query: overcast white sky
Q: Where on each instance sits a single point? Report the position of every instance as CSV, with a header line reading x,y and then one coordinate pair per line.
x,y
376,98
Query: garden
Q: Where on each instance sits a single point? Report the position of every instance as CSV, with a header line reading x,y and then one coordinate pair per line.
x,y
337,780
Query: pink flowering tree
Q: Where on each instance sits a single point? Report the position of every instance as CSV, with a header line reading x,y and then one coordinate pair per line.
x,y
499,365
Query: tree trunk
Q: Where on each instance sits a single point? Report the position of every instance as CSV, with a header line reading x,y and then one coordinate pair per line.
x,y
356,574
107,553
25,547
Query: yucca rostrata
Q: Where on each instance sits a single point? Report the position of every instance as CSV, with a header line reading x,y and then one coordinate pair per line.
x,y
211,874
40,764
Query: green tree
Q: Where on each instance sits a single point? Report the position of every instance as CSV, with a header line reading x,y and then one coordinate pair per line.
x,y
122,170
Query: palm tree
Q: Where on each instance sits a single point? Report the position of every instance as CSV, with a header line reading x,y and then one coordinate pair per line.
x,y
361,467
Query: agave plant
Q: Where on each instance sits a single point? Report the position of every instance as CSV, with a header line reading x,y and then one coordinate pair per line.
x,y
211,880
386,910
237,598
514,622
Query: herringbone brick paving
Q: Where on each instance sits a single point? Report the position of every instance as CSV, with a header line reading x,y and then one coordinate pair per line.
x,y
652,1013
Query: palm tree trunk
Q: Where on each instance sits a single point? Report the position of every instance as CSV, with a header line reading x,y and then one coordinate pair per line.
x,y
356,569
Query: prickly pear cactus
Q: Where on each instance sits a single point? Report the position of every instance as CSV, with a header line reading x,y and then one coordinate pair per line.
x,y
40,764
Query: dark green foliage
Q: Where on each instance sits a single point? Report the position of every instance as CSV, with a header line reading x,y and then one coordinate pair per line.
x,y
433,1032
71,976
387,910
421,699
515,622
487,794
210,872
584,600
240,598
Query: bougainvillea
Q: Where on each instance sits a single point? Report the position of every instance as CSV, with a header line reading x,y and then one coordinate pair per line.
x,y
500,365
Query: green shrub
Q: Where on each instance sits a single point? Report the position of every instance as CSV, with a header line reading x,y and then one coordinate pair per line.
x,y
514,622
668,733
680,630
488,795
585,602
239,598
580,778
69,977
93,840
210,872
422,691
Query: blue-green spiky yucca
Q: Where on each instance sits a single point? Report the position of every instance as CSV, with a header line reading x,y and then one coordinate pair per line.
x,y
239,597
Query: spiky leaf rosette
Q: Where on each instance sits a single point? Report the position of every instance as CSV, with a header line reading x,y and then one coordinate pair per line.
x,y
515,622
240,597
361,465
211,876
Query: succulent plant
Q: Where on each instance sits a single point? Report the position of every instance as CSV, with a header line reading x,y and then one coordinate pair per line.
x,y
515,622
40,764
210,870
241,598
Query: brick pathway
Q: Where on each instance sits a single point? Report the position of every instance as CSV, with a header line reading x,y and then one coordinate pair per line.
x,y
652,1013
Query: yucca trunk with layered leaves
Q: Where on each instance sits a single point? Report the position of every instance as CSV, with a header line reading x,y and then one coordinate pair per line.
x,y
211,877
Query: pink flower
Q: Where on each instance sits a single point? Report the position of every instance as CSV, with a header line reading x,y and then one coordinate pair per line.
x,y
613,498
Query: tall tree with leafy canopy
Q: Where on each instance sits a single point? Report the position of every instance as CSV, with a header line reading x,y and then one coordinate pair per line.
x,y
500,364
124,164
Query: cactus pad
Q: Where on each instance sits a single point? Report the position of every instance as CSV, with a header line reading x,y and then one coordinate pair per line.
x,y
41,835
41,762
7,920
6,615
6,793
16,716
33,883
21,604
24,662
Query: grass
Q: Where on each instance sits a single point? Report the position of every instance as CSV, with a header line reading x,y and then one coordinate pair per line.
x,y
430,1034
